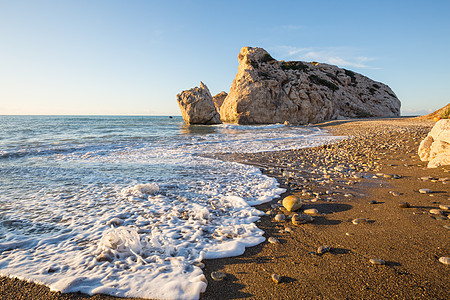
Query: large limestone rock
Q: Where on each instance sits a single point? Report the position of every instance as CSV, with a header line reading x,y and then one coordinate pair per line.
x,y
197,106
269,91
435,148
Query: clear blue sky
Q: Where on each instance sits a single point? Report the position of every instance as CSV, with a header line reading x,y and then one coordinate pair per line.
x,y
133,57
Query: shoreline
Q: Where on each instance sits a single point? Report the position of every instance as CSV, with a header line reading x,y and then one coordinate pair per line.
x,y
410,240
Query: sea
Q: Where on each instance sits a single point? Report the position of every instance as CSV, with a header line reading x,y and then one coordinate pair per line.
x,y
127,205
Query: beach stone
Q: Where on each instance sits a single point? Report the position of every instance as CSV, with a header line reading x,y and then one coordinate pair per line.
x,y
359,221
403,205
273,240
323,249
298,219
218,276
311,211
394,193
425,191
444,207
276,278
445,260
436,211
373,202
377,261
292,203
279,217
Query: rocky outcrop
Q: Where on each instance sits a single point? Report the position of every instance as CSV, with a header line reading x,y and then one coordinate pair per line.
x,y
269,91
197,106
218,99
435,148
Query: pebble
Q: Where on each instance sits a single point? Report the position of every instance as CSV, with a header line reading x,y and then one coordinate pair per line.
x,y
217,276
276,278
403,205
436,211
425,191
445,260
288,229
292,203
349,234
311,211
394,193
447,226
298,219
359,221
444,207
323,249
373,202
377,261
279,217
199,264
273,240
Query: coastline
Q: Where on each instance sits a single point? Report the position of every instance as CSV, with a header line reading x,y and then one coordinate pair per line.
x,y
410,240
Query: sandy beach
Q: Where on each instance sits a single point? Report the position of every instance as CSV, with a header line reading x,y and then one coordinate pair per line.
x,y
368,176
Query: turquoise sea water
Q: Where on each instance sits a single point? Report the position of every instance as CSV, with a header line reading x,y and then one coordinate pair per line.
x,y
124,205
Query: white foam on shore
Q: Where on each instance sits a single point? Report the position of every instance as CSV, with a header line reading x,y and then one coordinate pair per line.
x,y
136,221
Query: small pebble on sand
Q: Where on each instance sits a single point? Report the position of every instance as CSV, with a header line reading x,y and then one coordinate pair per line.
x,y
394,193
425,191
276,278
311,211
279,217
323,249
359,221
444,207
436,211
217,276
403,205
377,261
273,240
445,260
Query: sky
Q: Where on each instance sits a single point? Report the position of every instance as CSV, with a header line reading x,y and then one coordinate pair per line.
x,y
133,57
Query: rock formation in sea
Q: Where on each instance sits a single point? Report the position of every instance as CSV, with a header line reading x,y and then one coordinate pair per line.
x,y
435,148
197,106
269,91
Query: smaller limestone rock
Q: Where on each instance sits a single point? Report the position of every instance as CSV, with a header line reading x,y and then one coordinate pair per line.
x,y
276,278
436,211
444,207
425,191
218,276
445,260
377,261
394,193
298,219
292,203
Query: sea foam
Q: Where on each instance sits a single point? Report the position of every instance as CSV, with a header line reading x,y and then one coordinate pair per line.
x,y
133,215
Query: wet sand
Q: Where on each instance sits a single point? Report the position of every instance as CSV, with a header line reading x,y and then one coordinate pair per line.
x,y
364,176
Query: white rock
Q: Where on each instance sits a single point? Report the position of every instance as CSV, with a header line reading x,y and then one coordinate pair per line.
x,y
425,191
359,221
435,148
197,106
435,211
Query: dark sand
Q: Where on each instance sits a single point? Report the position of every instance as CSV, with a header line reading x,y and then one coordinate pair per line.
x,y
409,240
